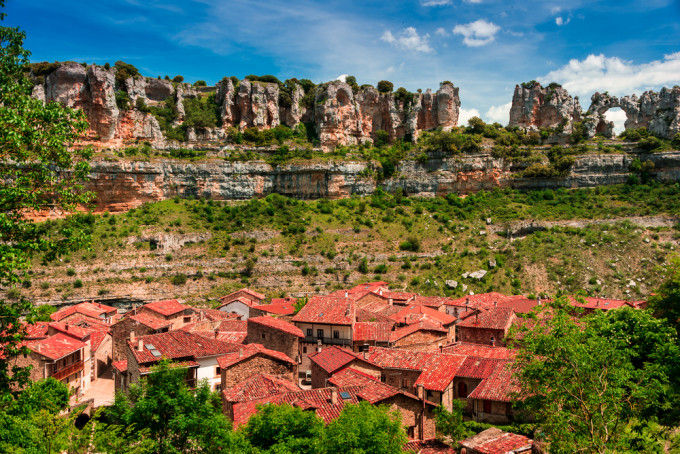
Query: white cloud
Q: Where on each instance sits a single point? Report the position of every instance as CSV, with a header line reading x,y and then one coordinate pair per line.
x,y
435,2
441,31
499,114
559,20
465,114
618,116
472,1
617,76
477,33
555,9
342,77
408,39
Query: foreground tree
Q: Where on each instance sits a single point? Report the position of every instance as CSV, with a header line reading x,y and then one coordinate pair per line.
x,y
39,171
163,409
285,429
450,423
665,303
586,379
363,429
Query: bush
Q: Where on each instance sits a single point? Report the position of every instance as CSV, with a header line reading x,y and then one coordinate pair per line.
x,y
70,272
140,104
411,244
200,83
382,138
179,279
122,100
178,79
385,86
675,143
201,112
78,283
268,78
363,266
123,72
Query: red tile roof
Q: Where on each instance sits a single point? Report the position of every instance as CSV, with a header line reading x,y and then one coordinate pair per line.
x,y
175,365
492,318
216,314
327,309
333,358
120,366
499,386
89,309
480,351
253,295
415,313
364,315
440,372
55,347
496,441
179,345
432,301
74,331
372,390
372,331
150,321
279,306
166,307
423,325
278,324
318,400
37,330
602,303
248,351
432,446
395,358
257,387
478,368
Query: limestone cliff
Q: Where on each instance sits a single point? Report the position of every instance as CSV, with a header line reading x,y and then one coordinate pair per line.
x,y
122,185
537,107
118,111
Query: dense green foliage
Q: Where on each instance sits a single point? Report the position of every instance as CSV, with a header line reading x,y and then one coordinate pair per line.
x,y
123,72
385,86
589,382
201,112
665,303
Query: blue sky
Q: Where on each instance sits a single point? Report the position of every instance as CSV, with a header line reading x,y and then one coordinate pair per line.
x,y
484,47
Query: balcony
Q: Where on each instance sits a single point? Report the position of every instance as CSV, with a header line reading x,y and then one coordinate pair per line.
x,y
68,370
327,340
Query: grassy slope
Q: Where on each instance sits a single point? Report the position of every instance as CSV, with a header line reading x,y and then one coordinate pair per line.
x,y
293,246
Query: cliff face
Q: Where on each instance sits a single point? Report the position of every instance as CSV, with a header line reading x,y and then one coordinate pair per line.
x,y
534,106
537,107
122,185
340,116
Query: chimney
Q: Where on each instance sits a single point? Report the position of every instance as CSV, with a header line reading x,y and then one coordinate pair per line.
x,y
467,301
477,317
441,348
346,294
380,291
495,304
538,301
334,396
140,345
132,336
390,301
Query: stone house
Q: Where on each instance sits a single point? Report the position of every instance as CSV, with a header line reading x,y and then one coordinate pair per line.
x,y
95,311
278,307
325,320
172,311
491,400
275,334
420,335
416,313
131,326
241,302
488,326
333,359
252,359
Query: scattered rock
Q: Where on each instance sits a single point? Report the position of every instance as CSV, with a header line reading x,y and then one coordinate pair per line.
x,y
479,274
451,283
492,263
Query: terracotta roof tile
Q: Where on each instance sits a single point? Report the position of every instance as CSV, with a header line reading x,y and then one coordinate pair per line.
x,y
372,390
333,358
492,318
178,345
174,365
56,346
216,314
120,366
326,309
395,358
74,331
478,368
424,325
440,372
150,321
372,331
166,307
252,294
499,386
432,301
278,324
415,312
432,446
89,309
257,387
496,441
480,351
37,330
245,352
279,306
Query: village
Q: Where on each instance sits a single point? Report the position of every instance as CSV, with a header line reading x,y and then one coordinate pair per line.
x,y
409,352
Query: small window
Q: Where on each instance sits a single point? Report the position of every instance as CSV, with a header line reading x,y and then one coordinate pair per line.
x,y
319,333
404,383
462,389
187,319
336,334
309,332
411,431
304,349
487,406
264,335
218,371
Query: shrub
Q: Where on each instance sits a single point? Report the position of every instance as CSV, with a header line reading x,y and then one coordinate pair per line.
x,y
380,269
70,272
404,96
78,283
675,142
122,100
201,112
178,79
268,78
411,244
140,104
178,279
385,86
382,138
124,71
363,266
200,83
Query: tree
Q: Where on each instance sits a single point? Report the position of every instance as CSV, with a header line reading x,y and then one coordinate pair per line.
x,y
178,79
385,86
163,409
585,379
364,428
665,303
39,171
284,428
450,423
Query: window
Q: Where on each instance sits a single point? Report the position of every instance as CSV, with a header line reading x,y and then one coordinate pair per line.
x,y
404,383
309,332
218,371
462,389
218,387
487,406
319,333
429,393
264,335
411,431
187,319
336,334
304,349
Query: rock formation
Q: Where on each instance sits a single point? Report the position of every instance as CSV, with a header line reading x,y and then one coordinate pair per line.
x,y
339,115
538,107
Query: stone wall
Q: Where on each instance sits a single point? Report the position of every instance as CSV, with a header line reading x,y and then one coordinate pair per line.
x,y
480,335
254,365
273,339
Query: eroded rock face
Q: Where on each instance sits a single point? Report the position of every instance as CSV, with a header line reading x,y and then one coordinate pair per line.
x,y
538,107
340,116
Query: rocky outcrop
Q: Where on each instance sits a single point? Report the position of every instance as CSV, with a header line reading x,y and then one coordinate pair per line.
x,y
658,112
340,116
122,185
537,107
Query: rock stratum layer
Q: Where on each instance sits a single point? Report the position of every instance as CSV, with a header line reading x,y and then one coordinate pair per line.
x,y
339,114
121,185
537,107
